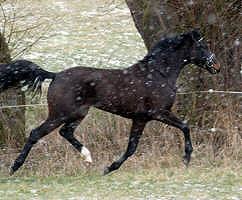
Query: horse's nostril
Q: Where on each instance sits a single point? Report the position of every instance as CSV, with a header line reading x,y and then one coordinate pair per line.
x,y
217,66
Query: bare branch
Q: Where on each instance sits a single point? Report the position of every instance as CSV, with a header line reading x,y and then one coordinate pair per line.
x,y
4,20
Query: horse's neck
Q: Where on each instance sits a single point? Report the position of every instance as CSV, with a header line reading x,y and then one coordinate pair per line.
x,y
167,63
173,65
168,68
172,74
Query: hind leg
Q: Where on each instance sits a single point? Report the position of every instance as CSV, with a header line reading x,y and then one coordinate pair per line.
x,y
67,132
35,135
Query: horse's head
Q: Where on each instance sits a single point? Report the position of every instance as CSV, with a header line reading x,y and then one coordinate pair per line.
x,y
201,55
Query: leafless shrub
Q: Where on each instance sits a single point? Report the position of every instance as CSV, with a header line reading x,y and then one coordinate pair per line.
x,y
20,30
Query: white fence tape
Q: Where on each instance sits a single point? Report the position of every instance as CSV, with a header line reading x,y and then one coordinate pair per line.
x,y
21,106
211,91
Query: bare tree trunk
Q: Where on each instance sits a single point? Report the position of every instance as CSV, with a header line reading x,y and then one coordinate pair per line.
x,y
220,23
12,120
152,19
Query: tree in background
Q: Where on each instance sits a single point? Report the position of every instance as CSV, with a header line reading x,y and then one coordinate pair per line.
x,y
12,45
220,23
12,123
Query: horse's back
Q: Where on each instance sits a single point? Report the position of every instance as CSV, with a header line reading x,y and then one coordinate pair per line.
x,y
77,86
125,92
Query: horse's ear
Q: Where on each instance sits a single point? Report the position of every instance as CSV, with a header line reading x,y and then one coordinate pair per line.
x,y
179,40
195,35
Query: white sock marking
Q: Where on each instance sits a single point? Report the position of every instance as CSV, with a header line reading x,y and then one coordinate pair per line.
x,y
86,154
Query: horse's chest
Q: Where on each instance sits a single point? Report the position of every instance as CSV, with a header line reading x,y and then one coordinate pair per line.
x,y
161,96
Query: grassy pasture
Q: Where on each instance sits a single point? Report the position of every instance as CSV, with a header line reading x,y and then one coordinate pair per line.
x,y
100,34
164,184
91,33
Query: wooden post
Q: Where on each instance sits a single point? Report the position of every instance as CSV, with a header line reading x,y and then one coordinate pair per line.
x,y
12,120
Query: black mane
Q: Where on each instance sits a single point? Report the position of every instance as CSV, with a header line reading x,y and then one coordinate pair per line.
x,y
168,44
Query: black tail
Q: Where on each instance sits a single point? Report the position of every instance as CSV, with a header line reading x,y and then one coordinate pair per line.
x,y
22,73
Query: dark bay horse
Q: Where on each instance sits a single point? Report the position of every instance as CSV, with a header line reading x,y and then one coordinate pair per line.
x,y
143,92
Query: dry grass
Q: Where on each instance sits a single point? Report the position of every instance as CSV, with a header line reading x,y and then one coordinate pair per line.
x,y
55,170
216,141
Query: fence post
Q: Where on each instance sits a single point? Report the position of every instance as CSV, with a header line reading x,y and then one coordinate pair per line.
x,y
12,121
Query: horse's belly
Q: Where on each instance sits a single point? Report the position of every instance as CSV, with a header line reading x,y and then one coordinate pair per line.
x,y
123,107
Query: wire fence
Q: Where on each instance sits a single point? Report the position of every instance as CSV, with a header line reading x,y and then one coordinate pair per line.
x,y
210,91
118,141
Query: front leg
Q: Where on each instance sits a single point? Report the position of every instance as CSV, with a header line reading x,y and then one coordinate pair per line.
x,y
135,134
169,118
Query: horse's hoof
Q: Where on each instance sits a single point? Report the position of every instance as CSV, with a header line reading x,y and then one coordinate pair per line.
x,y
11,172
106,171
185,161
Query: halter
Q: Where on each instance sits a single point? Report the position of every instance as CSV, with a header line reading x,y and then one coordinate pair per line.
x,y
210,60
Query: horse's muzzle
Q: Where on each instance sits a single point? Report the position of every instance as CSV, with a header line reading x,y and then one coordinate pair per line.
x,y
214,69
212,65
216,66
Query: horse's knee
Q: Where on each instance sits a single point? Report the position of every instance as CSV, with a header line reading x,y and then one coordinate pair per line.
x,y
66,130
63,131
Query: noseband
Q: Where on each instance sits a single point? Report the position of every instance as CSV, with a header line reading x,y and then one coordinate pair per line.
x,y
210,61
